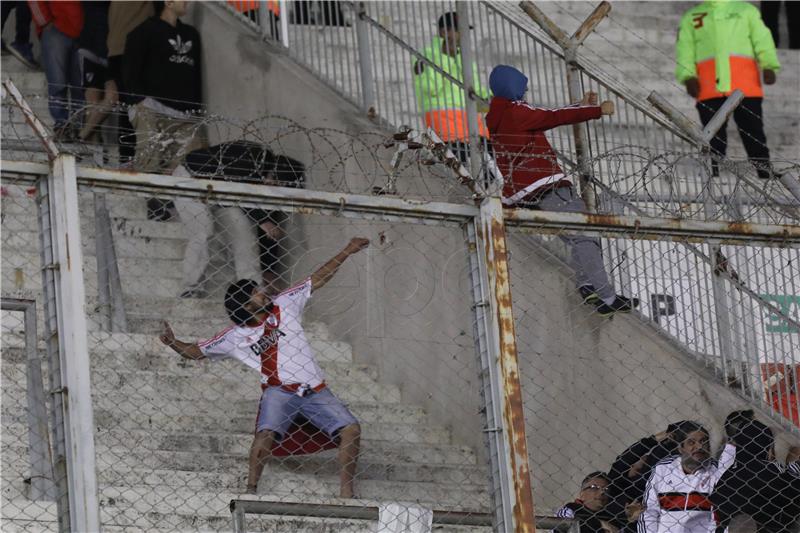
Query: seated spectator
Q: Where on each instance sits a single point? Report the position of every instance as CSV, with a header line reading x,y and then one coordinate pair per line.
x,y
59,24
162,70
631,470
235,161
677,497
757,486
589,506
20,47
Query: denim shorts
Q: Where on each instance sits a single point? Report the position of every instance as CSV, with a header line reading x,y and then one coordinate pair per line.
x,y
278,408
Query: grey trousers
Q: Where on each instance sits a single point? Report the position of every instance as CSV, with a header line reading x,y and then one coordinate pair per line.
x,y
235,232
586,258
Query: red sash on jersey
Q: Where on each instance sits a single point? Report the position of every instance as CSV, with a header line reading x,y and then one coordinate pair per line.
x,y
680,501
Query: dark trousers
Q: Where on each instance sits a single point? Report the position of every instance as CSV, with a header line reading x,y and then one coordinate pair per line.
x,y
770,12
749,121
23,24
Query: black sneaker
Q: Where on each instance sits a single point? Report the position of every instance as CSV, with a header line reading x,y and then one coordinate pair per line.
x,y
621,304
160,210
589,295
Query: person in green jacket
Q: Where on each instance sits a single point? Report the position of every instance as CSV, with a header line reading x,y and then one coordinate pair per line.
x,y
440,100
723,46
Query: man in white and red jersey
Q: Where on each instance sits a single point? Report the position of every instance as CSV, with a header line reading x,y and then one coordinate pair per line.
x,y
677,497
268,336
534,179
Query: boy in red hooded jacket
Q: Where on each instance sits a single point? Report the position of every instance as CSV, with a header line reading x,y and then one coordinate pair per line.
x,y
534,179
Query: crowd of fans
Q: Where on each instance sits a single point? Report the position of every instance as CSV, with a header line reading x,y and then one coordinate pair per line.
x,y
670,482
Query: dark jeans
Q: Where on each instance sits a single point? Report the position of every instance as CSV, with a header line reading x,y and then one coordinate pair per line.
x,y
23,22
770,12
64,84
750,122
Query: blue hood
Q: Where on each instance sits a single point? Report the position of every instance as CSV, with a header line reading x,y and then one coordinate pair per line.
x,y
508,82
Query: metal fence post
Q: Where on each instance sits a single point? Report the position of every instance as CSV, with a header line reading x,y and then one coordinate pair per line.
x,y
574,84
471,108
49,267
72,341
496,343
41,461
109,285
365,61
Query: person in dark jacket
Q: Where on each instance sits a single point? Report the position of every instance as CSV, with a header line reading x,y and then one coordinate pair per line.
x,y
756,486
631,469
533,178
589,508
162,72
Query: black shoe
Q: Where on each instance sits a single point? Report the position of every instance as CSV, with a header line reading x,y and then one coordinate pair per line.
x,y
160,210
621,304
589,295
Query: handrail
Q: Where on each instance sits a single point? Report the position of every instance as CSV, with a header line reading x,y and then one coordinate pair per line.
x,y
357,512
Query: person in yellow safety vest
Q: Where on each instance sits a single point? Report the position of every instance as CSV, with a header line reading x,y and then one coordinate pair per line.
x,y
442,101
721,46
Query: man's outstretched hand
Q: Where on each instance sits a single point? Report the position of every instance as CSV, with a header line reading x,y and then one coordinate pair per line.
x,y
607,108
769,77
356,244
167,336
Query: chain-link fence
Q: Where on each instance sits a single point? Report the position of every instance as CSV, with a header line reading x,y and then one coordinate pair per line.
x,y
607,402
441,365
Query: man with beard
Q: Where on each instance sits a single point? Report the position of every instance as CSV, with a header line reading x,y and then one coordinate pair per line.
x,y
268,336
677,497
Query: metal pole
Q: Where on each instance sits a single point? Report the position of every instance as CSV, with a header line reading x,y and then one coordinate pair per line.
x,y
49,295
471,109
574,84
73,346
496,323
284,20
101,247
579,130
365,62
41,474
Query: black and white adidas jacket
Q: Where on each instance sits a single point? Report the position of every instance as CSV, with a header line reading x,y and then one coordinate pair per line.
x,y
676,502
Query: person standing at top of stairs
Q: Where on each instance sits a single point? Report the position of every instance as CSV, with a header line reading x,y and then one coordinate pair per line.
x,y
21,46
721,47
59,24
163,72
268,336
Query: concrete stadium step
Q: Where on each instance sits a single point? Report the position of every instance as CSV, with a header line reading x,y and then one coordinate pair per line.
x,y
144,491
124,466
23,515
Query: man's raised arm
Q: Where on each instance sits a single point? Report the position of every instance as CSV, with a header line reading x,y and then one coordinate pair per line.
x,y
324,273
184,349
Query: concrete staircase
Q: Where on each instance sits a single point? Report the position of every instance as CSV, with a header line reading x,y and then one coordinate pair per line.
x,y
172,438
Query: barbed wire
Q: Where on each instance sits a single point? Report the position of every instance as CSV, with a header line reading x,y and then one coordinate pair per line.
x,y
674,184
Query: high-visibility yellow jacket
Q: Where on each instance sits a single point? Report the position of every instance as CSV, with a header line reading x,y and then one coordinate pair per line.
x,y
723,44
442,101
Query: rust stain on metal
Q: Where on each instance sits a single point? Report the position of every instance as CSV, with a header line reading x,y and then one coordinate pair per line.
x,y
509,364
